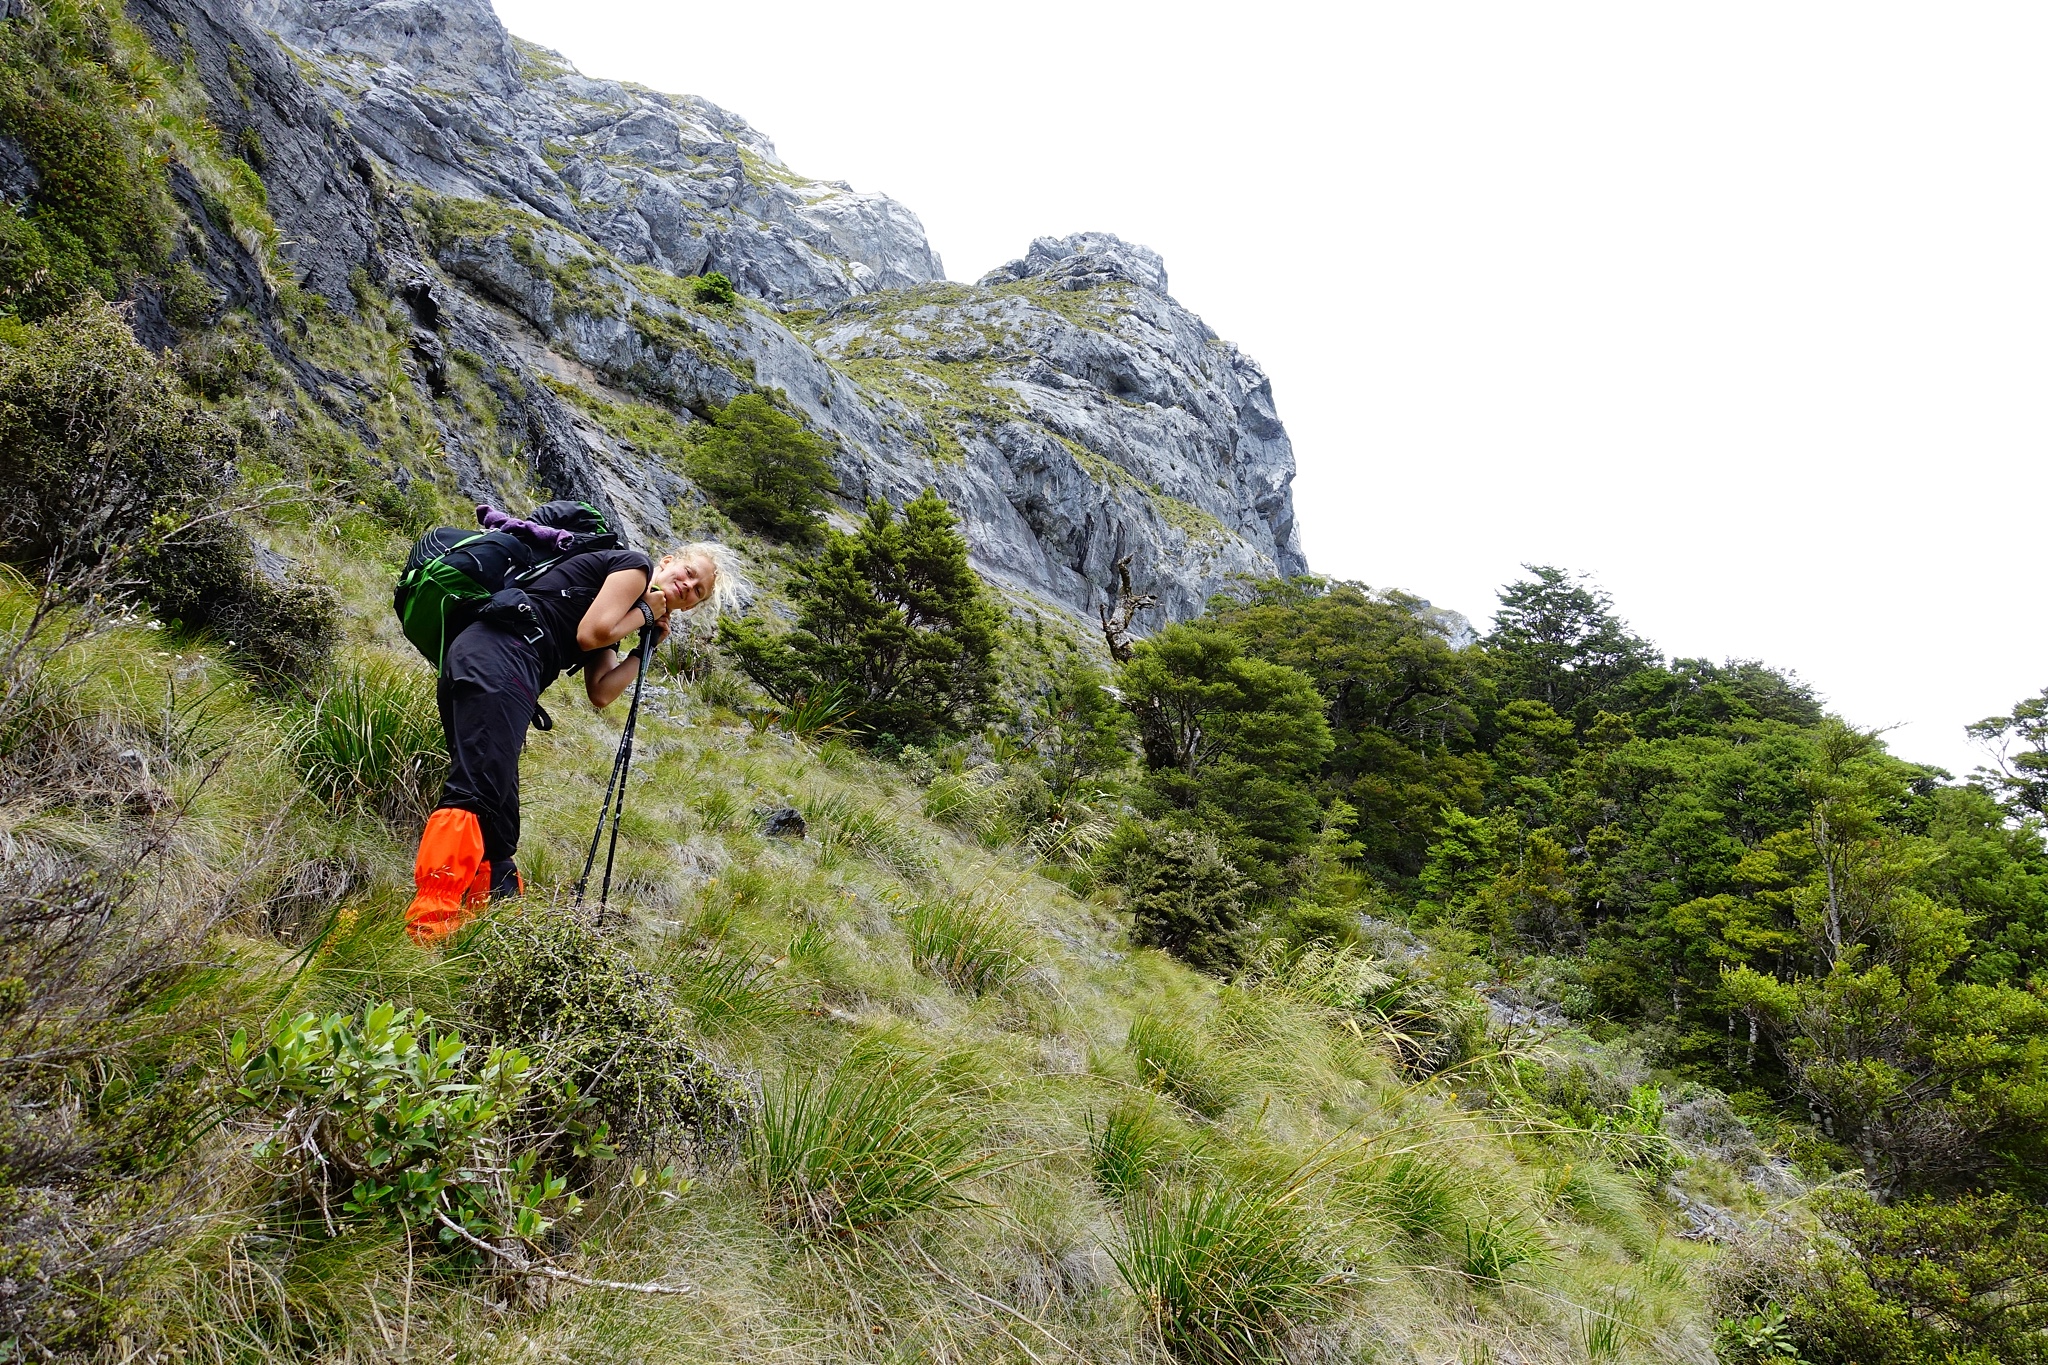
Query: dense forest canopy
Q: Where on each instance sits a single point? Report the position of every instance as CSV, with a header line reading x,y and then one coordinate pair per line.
x,y
1763,895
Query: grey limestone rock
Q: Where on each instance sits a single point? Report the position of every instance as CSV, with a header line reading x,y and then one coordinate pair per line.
x,y
541,225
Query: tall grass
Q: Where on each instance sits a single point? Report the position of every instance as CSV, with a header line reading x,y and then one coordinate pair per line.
x,y
1422,1199
1180,1059
838,819
726,991
371,741
1225,1269
1132,1145
970,943
871,1141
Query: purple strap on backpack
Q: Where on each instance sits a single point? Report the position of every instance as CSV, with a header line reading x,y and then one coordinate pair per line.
x,y
491,519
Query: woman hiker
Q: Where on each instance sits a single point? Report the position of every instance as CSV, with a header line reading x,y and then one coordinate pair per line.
x,y
490,685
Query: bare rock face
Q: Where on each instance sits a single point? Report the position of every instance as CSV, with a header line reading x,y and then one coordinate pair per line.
x,y
542,227
449,100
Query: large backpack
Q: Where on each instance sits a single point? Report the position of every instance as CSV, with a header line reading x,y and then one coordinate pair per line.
x,y
453,578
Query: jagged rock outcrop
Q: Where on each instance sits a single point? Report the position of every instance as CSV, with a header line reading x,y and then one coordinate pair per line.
x,y
446,98
541,227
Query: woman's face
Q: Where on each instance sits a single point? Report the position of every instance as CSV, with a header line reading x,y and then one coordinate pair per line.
x,y
684,581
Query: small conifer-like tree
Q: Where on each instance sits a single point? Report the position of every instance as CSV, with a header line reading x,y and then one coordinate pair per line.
x,y
891,614
765,470
1184,895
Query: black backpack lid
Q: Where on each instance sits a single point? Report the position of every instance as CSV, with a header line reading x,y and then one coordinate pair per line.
x,y
579,517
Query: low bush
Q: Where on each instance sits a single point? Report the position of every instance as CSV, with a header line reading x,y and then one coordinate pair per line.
x,y
1922,1279
851,1148
970,943
1225,1270
381,1120
117,481
548,981
715,289
1183,894
370,741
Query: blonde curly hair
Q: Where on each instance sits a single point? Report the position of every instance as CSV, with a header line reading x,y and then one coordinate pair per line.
x,y
731,585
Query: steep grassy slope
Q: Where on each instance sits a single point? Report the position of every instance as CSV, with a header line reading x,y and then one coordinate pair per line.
x,y
1109,1106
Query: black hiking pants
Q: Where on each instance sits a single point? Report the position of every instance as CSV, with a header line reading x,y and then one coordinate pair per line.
x,y
490,684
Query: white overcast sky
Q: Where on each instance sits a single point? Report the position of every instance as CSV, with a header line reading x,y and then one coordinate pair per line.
x,y
1738,307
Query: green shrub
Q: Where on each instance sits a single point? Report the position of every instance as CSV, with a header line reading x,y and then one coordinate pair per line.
x,y
1923,1279
99,212
971,944
383,1121
714,289
115,477
371,741
1183,894
1180,1059
765,470
1224,1270
550,982
894,613
855,1147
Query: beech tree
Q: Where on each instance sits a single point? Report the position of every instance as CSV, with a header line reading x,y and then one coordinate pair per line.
x,y
893,618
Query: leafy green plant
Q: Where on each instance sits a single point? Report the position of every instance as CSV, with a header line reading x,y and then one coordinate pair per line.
x,y
382,1120
764,469
1179,1058
1496,1247
547,980
851,1148
371,740
1763,1338
1224,1269
970,943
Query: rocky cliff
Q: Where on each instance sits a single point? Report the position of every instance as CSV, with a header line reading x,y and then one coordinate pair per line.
x,y
543,229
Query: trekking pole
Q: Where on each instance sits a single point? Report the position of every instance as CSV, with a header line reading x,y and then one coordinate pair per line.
x,y
622,764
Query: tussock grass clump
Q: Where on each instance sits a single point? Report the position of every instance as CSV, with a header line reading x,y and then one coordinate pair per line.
x,y
549,981
857,1146
970,943
1180,1059
370,741
1495,1247
1422,1199
1599,1197
1132,1145
727,991
838,819
1225,1269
